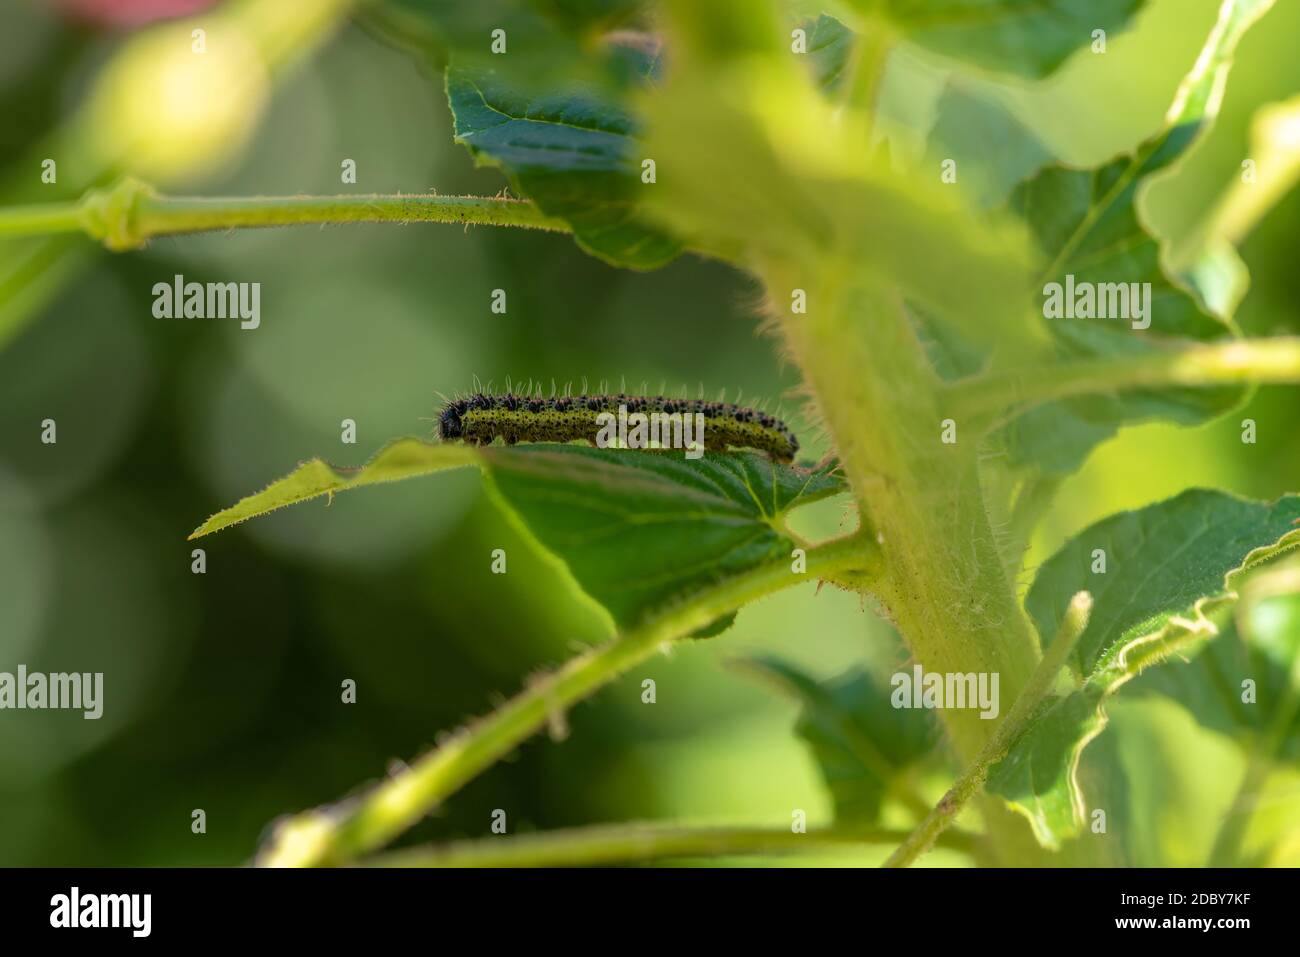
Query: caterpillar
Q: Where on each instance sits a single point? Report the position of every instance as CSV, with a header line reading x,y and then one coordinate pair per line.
x,y
480,418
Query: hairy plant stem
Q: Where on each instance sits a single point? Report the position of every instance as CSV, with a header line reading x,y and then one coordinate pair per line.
x,y
865,73
991,399
633,842
945,586
339,834
126,215
1008,730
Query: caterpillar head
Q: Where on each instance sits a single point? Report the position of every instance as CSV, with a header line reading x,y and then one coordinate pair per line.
x,y
449,423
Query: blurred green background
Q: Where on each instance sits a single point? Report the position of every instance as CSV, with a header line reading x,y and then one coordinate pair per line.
x,y
223,689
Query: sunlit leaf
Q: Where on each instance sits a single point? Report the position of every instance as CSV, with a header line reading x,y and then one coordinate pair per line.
x,y
1246,682
543,39
1089,232
993,149
1007,36
830,43
572,150
1168,568
637,530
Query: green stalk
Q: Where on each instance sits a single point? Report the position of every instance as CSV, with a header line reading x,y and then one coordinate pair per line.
x,y
994,398
945,588
285,34
340,834
128,214
40,219
1016,722
633,843
168,215
865,74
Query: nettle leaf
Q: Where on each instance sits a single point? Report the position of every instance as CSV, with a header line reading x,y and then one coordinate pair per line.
x,y
1007,36
546,111
951,354
543,38
866,748
829,44
992,147
571,149
401,459
1260,644
1169,568
1161,564
995,151
637,530
1088,229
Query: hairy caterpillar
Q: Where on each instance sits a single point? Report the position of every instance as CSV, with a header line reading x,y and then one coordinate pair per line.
x,y
480,418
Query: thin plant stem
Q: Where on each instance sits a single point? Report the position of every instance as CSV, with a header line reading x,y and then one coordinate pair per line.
x,y
866,72
643,842
1021,716
40,219
128,214
1249,361
340,834
159,215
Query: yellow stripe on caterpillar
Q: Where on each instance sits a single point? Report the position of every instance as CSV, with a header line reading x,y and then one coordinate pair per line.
x,y
616,420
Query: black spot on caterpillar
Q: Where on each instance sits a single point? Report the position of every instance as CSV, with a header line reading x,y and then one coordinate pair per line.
x,y
480,418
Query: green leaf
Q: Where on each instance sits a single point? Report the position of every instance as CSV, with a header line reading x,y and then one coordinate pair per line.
x,y
1037,776
401,459
994,150
1008,36
866,748
1220,277
1168,568
544,38
1056,438
1163,563
1259,644
1087,224
571,149
951,354
1162,782
549,110
1219,787
715,628
829,44
637,530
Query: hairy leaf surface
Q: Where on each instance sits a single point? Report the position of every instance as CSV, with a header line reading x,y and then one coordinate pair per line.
x,y
637,530
1168,568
